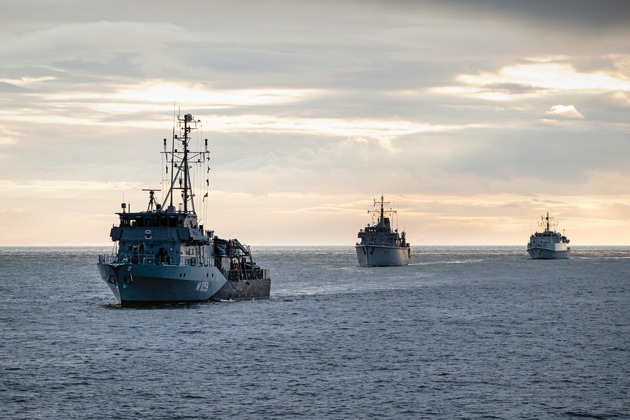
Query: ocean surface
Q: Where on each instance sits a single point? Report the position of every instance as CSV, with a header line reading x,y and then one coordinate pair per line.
x,y
461,333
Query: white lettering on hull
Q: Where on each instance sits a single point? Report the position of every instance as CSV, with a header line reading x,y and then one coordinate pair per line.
x,y
202,286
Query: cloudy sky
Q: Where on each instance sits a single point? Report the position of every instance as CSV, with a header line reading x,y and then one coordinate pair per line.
x,y
472,117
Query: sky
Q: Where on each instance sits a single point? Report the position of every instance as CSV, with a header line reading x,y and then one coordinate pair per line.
x,y
472,118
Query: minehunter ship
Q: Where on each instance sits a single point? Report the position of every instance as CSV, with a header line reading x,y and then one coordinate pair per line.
x,y
164,255
548,244
380,246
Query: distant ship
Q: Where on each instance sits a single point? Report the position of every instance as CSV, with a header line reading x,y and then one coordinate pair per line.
x,y
548,244
380,246
163,254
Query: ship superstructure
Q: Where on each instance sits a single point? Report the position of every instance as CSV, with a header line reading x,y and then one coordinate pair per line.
x,y
548,244
380,245
164,255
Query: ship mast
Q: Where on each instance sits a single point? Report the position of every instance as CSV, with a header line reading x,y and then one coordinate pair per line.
x,y
382,202
180,161
187,119
547,219
382,211
548,223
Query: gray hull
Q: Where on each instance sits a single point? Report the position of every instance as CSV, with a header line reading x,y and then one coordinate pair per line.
x,y
382,256
547,254
136,285
244,290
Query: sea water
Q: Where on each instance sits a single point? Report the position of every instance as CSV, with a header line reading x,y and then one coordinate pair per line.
x,y
480,332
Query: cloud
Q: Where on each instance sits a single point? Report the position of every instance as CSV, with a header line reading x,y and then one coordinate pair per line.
x,y
321,106
90,41
27,81
575,15
7,137
564,111
535,79
60,188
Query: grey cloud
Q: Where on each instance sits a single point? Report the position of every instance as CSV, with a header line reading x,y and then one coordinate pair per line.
x,y
90,43
511,88
11,88
556,154
574,14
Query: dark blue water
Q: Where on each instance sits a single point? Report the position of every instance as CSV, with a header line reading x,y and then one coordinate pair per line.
x,y
460,333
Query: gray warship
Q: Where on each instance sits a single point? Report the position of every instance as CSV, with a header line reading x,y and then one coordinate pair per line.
x,y
164,255
548,244
380,246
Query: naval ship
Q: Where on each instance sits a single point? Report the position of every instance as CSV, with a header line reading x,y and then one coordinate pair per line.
x,y
380,246
548,244
164,255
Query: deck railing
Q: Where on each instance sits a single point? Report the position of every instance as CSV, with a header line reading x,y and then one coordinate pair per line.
x,y
151,259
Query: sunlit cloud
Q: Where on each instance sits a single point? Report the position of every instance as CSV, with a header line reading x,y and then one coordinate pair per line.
x,y
60,188
565,111
156,93
43,116
28,81
206,96
357,129
533,79
555,77
153,96
148,97
480,92
622,97
7,137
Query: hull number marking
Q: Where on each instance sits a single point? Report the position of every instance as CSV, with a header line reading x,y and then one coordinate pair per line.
x,y
202,286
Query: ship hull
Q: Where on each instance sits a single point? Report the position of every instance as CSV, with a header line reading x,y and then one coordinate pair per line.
x,y
382,256
244,290
139,285
538,253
